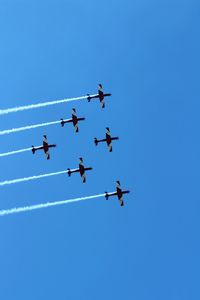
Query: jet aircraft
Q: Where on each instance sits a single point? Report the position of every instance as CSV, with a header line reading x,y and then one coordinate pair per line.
x,y
119,193
100,96
108,139
73,120
45,147
80,170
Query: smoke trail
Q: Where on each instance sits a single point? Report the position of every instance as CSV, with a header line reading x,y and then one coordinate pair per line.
x,y
38,105
15,152
6,182
8,131
17,210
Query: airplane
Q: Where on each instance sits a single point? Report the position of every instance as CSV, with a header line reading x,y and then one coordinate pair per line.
x,y
100,96
80,170
108,139
119,193
73,120
45,147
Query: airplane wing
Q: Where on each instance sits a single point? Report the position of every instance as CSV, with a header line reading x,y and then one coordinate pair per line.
x,y
108,139
100,88
118,185
109,142
76,126
83,176
82,173
102,103
119,193
121,202
45,139
47,154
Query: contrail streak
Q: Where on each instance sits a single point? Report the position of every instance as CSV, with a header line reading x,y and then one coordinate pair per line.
x,y
38,105
17,210
15,152
8,131
6,182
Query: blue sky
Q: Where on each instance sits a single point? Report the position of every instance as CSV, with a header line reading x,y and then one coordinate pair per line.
x,y
146,53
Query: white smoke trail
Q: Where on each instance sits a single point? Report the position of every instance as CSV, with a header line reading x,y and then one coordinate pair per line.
x,y
38,105
6,182
8,131
17,210
15,152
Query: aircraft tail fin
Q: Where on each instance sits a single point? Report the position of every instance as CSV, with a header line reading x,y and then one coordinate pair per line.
x,y
106,195
33,150
62,122
89,97
96,141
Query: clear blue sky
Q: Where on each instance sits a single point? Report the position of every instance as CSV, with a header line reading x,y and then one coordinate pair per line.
x,y
146,53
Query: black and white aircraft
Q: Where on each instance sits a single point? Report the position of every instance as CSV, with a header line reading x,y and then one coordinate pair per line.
x,y
45,147
108,139
80,170
100,96
119,193
73,120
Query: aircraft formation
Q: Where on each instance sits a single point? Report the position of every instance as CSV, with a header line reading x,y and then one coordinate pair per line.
x,y
74,120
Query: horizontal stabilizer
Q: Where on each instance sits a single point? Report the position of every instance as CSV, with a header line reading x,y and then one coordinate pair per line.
x,y
62,122
96,141
33,150
106,195
89,97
